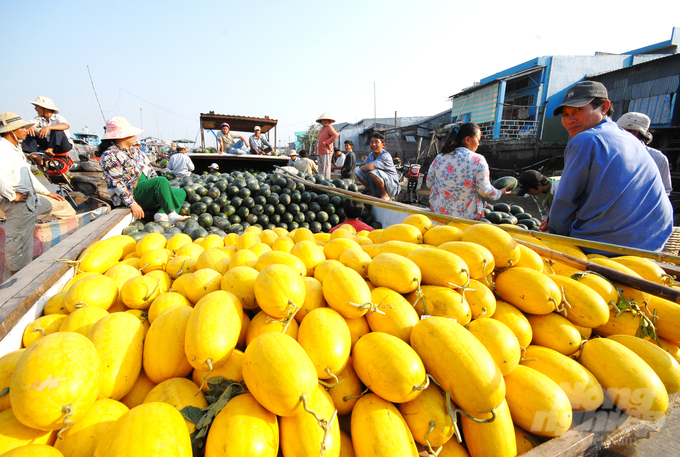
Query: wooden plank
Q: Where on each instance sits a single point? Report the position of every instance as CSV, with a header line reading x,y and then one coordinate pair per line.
x,y
23,289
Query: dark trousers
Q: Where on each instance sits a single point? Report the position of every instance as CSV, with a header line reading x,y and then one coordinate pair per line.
x,y
58,142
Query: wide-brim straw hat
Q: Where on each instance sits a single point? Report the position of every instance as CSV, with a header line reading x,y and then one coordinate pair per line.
x,y
10,122
118,128
325,117
44,102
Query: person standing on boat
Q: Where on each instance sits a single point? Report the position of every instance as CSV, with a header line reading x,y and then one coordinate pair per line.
x,y
180,163
50,135
541,189
611,190
378,173
347,172
458,177
638,124
230,143
23,197
259,144
324,148
130,178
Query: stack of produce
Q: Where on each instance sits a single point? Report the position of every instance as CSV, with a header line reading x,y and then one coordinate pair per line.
x,y
232,202
384,343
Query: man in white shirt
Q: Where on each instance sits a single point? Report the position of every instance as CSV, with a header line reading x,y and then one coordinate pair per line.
x,y
180,163
23,197
338,160
638,125
50,135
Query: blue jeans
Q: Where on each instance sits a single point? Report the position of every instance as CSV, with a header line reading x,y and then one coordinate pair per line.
x,y
239,148
391,187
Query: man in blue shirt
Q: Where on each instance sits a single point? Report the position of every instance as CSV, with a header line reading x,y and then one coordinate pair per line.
x,y
378,174
610,190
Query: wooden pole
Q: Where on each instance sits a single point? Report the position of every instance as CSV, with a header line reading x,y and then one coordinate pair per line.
x,y
613,248
613,275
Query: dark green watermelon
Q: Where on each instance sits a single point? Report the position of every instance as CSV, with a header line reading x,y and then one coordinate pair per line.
x,y
510,181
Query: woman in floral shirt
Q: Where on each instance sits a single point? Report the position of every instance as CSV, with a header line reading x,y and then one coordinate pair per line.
x,y
459,177
130,178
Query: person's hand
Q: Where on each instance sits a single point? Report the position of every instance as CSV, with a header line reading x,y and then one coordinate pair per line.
x,y
505,190
20,197
44,131
56,196
137,211
32,131
544,226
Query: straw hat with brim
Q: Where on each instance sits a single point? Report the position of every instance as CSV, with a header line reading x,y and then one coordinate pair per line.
x,y
10,122
44,102
293,154
325,117
118,128
580,94
638,122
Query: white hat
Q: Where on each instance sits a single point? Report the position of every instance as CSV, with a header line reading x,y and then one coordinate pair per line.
x,y
326,117
293,153
638,122
10,122
257,127
215,166
44,102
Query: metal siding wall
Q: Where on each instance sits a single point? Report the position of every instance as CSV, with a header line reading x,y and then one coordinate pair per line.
x,y
481,104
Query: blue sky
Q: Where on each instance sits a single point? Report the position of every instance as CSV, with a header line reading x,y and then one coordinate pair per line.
x,y
160,64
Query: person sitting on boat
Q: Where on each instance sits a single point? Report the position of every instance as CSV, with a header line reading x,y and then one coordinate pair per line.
x,y
611,190
130,178
23,197
637,124
541,189
305,164
231,143
458,177
259,144
49,135
213,168
180,163
378,173
353,211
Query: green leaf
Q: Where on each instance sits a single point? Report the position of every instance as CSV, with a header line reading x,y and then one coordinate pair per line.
x,y
192,413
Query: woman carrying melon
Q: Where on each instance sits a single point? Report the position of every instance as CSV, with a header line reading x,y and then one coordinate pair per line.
x,y
459,177
130,178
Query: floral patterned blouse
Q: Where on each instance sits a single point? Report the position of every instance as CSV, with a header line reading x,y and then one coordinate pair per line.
x,y
458,182
121,170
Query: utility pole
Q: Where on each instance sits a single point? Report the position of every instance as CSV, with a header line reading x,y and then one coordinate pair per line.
x,y
141,118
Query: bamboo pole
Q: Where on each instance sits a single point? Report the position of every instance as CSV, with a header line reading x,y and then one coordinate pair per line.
x,y
597,245
613,275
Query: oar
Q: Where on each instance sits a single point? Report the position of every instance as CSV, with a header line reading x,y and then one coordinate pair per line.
x,y
613,275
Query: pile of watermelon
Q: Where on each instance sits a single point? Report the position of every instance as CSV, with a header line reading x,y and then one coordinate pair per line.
x,y
231,202
502,213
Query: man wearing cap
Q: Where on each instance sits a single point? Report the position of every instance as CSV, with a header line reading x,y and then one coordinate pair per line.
x,y
305,164
610,190
180,163
541,189
23,197
49,134
324,148
293,158
231,143
638,125
259,144
213,168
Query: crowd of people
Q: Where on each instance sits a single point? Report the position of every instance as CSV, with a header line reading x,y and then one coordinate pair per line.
x,y
613,189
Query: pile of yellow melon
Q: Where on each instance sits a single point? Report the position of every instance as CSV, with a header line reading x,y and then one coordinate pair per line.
x,y
382,343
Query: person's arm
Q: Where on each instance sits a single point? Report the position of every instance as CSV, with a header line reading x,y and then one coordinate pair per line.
x,y
62,125
242,138
190,164
118,177
221,146
484,187
577,158
333,136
